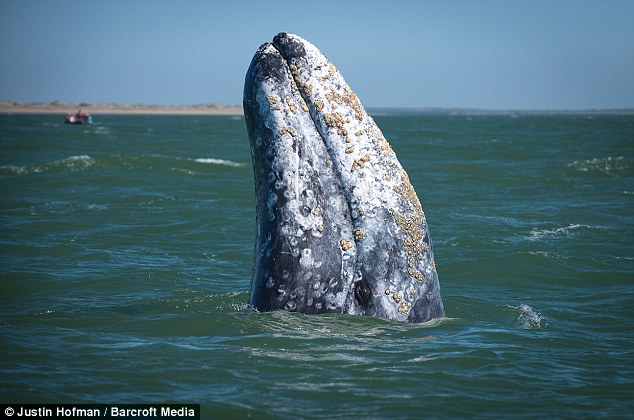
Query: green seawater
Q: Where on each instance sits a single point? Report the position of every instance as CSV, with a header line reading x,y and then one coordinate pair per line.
x,y
126,253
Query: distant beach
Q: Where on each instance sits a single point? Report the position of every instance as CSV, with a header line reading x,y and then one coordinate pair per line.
x,y
58,107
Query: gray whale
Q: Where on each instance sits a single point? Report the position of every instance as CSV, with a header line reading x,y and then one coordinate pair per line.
x,y
339,227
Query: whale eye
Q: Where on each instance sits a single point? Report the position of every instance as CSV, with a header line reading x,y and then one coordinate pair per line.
x,y
362,293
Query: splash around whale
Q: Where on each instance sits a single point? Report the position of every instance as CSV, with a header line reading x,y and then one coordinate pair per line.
x,y
339,227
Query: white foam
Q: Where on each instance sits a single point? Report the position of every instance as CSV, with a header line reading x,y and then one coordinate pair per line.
x,y
606,165
99,130
552,255
79,158
214,161
529,319
73,163
76,163
537,234
15,170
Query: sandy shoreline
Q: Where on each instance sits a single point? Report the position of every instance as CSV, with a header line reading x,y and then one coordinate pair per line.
x,y
8,107
15,107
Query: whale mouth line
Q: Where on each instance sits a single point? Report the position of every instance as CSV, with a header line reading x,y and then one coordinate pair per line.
x,y
286,48
312,112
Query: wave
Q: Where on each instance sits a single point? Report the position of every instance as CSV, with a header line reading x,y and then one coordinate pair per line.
x,y
71,163
528,318
208,160
75,163
99,130
608,165
551,255
18,170
82,162
572,229
215,161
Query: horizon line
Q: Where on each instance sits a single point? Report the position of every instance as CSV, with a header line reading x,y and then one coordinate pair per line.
x,y
15,106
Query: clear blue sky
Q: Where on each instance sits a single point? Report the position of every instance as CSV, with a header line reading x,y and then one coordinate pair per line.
x,y
474,54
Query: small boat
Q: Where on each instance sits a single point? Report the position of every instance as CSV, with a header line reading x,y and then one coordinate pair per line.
x,y
79,118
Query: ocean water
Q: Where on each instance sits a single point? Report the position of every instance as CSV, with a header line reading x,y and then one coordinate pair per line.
x,y
126,251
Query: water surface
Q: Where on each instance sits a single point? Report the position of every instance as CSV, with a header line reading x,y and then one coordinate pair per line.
x,y
126,253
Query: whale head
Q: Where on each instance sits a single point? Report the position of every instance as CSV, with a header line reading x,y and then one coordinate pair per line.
x,y
339,227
